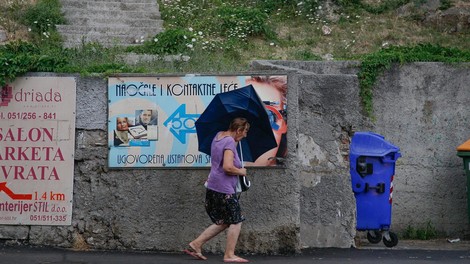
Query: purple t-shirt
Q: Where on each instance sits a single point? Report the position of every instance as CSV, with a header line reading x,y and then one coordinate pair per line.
x,y
218,180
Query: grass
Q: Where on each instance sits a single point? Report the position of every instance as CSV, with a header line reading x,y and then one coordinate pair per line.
x,y
283,33
420,233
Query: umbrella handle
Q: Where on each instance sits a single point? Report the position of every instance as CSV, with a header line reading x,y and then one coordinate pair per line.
x,y
241,153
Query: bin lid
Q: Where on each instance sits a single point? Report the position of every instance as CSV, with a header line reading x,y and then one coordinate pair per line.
x,y
465,146
371,144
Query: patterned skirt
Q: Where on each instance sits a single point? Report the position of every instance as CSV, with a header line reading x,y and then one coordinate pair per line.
x,y
223,208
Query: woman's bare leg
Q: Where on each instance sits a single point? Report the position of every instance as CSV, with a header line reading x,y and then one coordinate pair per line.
x,y
206,235
232,238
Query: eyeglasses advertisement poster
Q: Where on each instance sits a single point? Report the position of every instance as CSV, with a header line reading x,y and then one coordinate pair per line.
x,y
151,120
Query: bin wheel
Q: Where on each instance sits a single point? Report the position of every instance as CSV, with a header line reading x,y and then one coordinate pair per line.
x,y
393,240
374,236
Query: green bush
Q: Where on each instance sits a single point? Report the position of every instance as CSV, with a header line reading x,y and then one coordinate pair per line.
x,y
184,13
241,22
43,16
221,23
171,41
445,4
17,58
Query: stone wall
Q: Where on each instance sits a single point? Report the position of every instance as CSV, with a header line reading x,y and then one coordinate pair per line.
x,y
419,107
423,109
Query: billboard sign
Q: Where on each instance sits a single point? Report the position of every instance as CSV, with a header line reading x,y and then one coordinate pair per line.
x,y
151,120
37,142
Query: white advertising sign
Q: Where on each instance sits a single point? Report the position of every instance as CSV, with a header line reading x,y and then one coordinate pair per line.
x,y
37,143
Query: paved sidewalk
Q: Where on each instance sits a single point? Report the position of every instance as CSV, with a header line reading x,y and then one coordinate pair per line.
x,y
435,244
406,252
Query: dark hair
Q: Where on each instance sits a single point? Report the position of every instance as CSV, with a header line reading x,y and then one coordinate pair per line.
x,y
238,123
151,111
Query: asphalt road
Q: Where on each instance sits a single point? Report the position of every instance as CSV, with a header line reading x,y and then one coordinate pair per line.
x,y
373,254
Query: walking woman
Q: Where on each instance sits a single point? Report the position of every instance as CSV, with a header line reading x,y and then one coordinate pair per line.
x,y
222,204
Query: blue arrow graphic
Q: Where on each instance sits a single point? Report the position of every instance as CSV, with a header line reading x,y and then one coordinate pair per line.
x,y
180,123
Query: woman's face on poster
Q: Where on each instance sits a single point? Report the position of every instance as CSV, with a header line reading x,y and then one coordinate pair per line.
x,y
122,124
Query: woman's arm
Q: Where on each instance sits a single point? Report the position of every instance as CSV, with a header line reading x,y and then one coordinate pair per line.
x,y
229,167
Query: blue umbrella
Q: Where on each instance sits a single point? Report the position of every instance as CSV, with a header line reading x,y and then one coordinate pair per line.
x,y
243,102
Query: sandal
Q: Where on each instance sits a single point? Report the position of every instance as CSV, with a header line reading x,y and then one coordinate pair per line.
x,y
195,254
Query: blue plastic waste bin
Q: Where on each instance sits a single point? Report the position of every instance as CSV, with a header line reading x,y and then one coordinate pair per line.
x,y
372,168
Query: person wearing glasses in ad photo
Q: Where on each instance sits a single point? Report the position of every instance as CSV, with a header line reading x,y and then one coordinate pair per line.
x,y
273,91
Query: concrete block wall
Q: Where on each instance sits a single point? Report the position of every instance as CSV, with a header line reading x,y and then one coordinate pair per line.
x,y
420,107
423,108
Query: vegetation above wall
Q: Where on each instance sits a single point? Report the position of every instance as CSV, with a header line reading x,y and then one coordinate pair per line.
x,y
375,63
224,36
